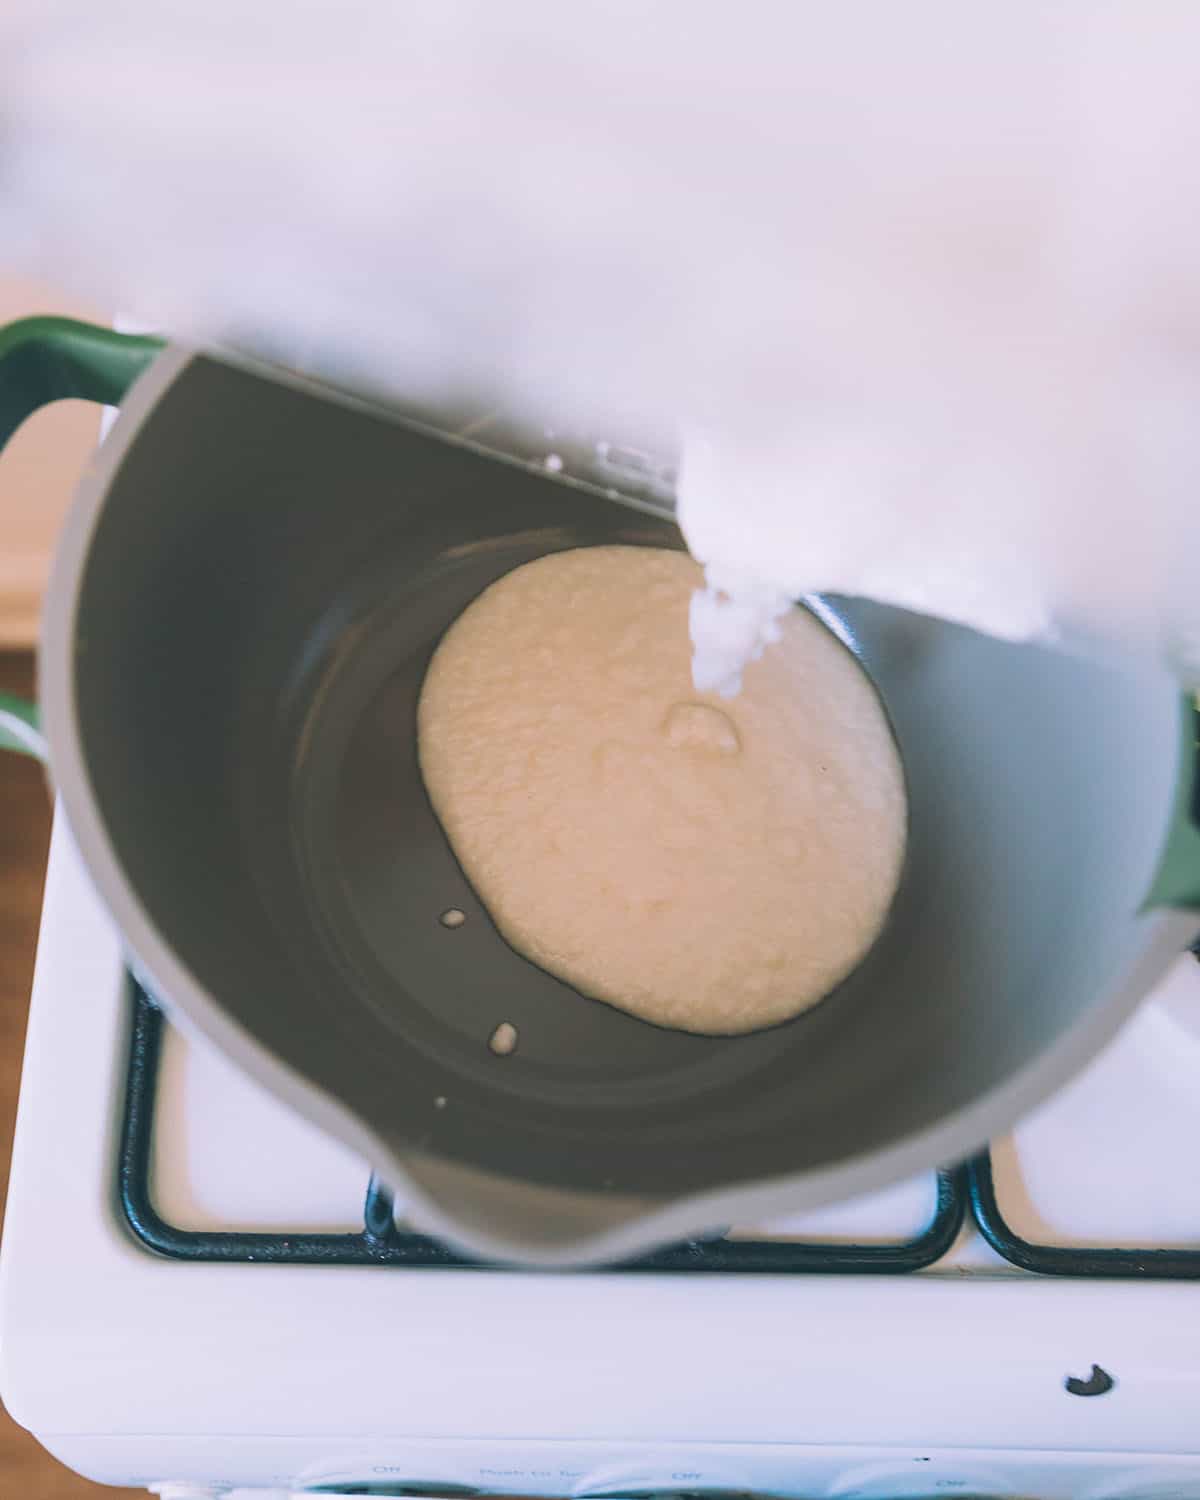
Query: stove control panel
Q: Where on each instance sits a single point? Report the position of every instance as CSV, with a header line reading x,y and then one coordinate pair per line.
x,y
478,1469
875,1483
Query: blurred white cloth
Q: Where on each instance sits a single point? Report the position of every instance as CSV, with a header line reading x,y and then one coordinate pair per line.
x,y
924,279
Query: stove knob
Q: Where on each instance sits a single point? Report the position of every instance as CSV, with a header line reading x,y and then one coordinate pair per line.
x,y
413,1488
670,1493
923,1480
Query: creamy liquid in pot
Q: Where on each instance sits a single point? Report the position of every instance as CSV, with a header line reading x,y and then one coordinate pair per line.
x,y
716,865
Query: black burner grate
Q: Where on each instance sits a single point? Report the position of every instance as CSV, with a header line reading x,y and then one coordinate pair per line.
x,y
381,1243
1067,1260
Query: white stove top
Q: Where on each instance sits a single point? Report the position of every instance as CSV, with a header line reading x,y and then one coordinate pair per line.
x,y
138,1370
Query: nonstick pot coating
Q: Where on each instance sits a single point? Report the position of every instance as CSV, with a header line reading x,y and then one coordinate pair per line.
x,y
266,582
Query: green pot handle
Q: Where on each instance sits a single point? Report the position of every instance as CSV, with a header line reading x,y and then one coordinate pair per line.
x,y
19,727
51,359
47,359
1177,882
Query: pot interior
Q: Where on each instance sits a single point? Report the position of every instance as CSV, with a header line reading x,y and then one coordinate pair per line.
x,y
266,582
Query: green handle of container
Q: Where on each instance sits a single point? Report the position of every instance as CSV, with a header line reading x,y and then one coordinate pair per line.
x,y
1177,882
47,359
51,359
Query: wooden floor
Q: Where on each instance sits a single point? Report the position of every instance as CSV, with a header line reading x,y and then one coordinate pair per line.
x,y
27,1472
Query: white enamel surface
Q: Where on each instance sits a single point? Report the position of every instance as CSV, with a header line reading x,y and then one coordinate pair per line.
x,y
135,1369
1108,1159
229,1156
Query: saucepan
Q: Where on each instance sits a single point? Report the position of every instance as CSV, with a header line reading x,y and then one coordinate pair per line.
x,y
247,591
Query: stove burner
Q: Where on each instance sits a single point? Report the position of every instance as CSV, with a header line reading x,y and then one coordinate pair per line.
x,y
382,1243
